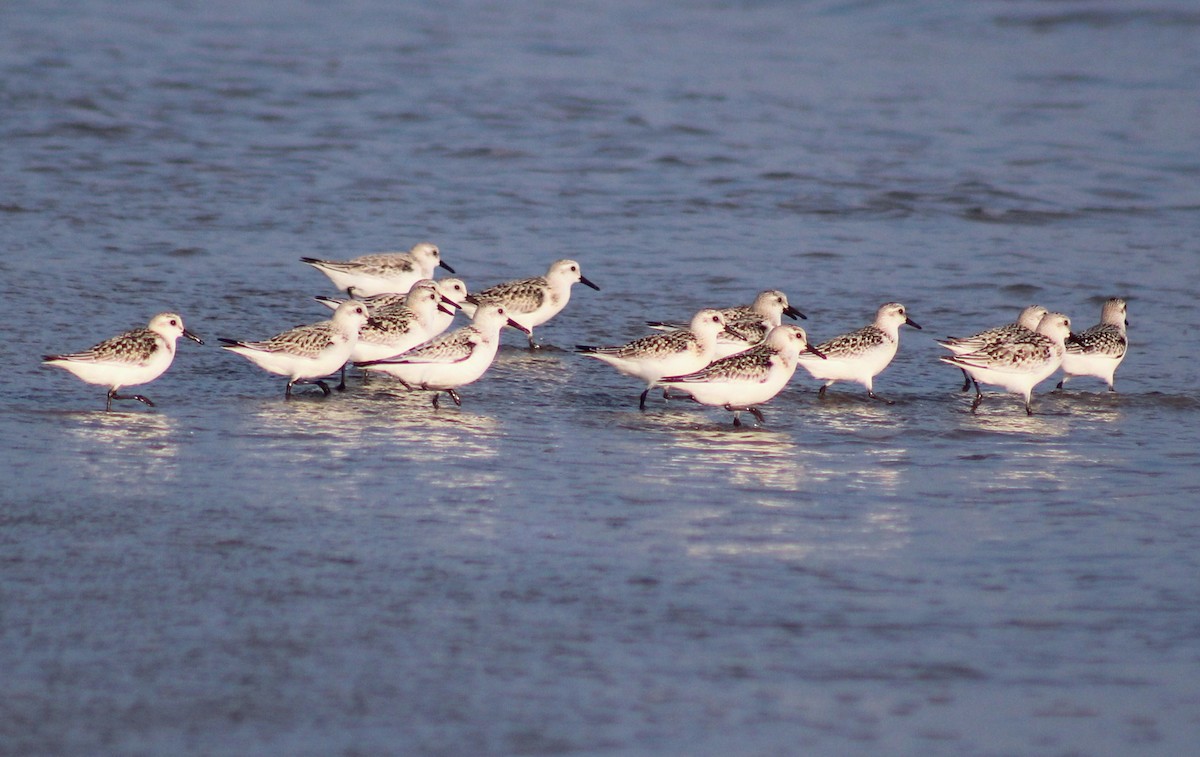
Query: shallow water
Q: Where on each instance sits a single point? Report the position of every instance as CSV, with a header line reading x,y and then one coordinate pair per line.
x,y
547,570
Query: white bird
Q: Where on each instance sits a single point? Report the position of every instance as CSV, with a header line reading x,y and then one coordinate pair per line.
x,y
129,359
454,290
1025,324
863,354
746,379
382,272
1020,363
398,322
674,353
1100,349
396,326
751,321
451,360
306,354
532,302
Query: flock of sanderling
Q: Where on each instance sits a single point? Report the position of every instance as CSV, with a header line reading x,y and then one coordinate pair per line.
x,y
395,319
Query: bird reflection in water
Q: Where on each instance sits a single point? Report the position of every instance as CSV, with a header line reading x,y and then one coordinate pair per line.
x,y
379,426
123,448
1043,426
748,457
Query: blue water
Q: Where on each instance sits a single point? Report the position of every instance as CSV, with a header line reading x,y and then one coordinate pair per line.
x,y
547,570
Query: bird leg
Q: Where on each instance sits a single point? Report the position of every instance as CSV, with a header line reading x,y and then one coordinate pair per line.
x,y
324,387
978,399
112,395
642,400
875,396
966,380
757,414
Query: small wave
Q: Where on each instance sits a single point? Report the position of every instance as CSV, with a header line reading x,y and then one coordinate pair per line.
x,y
1101,19
1016,216
87,129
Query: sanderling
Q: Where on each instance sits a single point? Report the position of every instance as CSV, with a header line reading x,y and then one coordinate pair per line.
x,y
392,330
451,360
1100,349
675,353
1019,363
744,380
382,272
398,322
752,321
453,294
861,355
1025,324
306,354
454,290
532,302
129,359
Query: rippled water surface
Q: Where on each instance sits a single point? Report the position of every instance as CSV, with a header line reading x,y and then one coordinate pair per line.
x,y
547,570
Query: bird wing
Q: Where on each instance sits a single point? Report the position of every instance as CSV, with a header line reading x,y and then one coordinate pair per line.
x,y
524,296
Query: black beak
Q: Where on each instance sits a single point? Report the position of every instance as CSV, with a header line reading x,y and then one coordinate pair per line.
x,y
815,351
584,280
518,327
193,337
447,301
793,313
913,323
445,309
736,334
1072,339
442,264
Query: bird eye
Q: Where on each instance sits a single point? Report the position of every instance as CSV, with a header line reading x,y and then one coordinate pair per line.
x,y
174,322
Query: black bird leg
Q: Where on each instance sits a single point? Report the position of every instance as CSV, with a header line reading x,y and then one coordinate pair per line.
x,y
978,399
112,395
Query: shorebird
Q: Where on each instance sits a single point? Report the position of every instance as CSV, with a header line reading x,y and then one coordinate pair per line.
x,y
129,359
382,272
747,379
861,355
